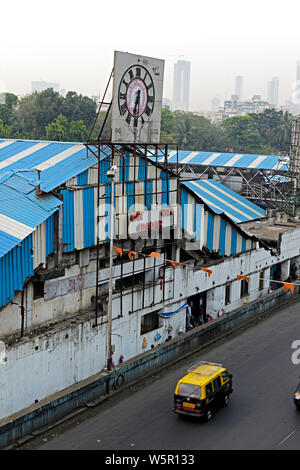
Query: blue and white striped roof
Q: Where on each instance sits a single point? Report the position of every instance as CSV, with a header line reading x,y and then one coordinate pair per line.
x,y
232,160
56,161
21,210
223,200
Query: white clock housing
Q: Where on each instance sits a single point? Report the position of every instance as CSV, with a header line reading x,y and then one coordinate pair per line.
x,y
137,99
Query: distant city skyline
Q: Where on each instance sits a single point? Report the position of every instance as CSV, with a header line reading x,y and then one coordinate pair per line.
x,y
64,47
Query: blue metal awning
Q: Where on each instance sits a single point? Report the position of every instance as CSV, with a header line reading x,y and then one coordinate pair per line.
x,y
231,160
21,210
223,200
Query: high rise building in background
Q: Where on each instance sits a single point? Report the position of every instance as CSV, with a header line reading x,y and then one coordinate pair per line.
x,y
273,89
239,86
298,71
41,86
215,104
181,86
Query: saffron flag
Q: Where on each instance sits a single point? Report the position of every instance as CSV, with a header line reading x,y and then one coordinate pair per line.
x,y
119,251
209,271
131,253
154,255
246,278
174,263
288,286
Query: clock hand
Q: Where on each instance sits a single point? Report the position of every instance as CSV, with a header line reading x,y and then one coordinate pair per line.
x,y
137,101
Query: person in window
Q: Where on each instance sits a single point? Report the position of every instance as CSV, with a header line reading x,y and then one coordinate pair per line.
x,y
293,272
208,317
189,325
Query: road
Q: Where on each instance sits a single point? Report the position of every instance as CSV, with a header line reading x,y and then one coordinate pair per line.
x,y
261,414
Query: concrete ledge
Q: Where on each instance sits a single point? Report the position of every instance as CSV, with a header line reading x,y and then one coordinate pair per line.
x,y
18,428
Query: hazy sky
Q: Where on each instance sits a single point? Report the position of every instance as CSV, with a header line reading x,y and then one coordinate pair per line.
x,y
72,43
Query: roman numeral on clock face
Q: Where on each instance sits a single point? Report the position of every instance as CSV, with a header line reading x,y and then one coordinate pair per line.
x,y
150,99
148,110
123,108
135,122
128,119
138,72
130,74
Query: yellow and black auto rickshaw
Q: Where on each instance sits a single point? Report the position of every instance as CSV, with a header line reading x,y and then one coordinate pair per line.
x,y
205,386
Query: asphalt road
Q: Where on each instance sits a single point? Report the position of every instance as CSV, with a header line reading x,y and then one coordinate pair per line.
x,y
261,414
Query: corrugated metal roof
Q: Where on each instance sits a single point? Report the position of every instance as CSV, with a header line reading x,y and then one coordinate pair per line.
x,y
21,210
245,161
57,161
223,200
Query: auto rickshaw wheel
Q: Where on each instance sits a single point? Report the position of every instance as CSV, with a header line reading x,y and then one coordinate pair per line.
x,y
208,415
226,400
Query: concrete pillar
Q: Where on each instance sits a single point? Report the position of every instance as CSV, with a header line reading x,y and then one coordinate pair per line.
x,y
285,269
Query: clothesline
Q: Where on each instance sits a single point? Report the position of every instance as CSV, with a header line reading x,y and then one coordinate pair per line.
x,y
175,264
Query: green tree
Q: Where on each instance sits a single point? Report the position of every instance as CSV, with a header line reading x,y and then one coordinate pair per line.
x,y
79,108
8,108
61,130
58,130
168,122
5,131
242,135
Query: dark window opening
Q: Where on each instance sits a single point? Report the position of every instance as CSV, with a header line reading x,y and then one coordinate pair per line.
x,y
227,294
261,280
136,280
38,289
149,322
244,288
217,383
209,389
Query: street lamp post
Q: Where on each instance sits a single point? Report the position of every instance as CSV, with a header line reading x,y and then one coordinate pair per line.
x,y
111,174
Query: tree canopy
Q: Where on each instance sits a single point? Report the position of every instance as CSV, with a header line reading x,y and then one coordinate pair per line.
x,y
48,115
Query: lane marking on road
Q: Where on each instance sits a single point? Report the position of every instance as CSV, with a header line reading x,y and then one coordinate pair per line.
x,y
287,437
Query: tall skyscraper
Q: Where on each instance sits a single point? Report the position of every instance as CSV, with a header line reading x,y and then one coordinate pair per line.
x,y
298,72
215,104
181,86
273,89
239,85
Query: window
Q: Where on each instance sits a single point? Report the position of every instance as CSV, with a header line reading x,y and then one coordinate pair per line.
x,y
189,390
227,294
217,383
261,280
127,282
209,389
149,322
224,376
244,288
38,289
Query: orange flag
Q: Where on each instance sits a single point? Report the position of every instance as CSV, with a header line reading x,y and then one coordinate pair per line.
x,y
119,251
239,276
154,255
209,271
131,253
174,263
288,286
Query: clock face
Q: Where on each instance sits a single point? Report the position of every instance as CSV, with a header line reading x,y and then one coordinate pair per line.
x,y
136,96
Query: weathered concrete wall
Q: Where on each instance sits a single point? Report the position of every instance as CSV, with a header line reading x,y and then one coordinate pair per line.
x,y
102,385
